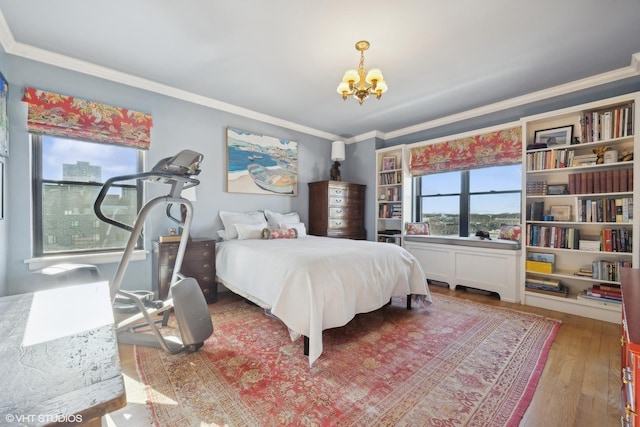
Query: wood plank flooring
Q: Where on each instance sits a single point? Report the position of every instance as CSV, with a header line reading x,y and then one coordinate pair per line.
x,y
580,384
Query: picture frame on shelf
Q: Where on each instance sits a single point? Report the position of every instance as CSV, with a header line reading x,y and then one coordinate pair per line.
x,y
389,163
553,137
557,189
561,212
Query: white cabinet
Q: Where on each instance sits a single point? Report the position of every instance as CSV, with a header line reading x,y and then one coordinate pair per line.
x,y
580,213
469,262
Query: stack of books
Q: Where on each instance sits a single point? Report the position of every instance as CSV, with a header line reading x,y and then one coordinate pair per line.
x,y
546,286
584,272
608,293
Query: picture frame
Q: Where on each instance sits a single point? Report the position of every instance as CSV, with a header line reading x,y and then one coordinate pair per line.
x,y
562,135
261,164
561,212
4,117
389,163
557,189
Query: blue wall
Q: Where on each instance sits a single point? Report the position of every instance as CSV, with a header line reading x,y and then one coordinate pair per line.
x,y
176,125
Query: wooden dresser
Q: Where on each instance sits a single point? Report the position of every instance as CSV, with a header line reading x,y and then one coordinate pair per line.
x,y
630,363
336,209
199,262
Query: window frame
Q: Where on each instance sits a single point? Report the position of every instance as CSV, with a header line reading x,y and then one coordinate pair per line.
x,y
464,198
38,181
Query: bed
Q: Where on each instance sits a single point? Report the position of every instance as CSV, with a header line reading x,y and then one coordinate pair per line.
x,y
314,283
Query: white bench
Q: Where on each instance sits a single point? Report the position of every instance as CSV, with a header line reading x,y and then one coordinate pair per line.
x,y
489,265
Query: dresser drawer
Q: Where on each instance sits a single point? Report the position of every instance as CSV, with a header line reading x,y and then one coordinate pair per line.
x,y
345,212
347,223
346,191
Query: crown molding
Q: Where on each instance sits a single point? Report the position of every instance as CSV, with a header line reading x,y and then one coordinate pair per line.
x,y
586,83
635,62
365,136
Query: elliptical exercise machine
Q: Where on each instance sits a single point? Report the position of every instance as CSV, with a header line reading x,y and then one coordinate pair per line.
x,y
185,296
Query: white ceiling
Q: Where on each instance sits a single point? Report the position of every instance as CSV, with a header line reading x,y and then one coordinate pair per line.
x,y
283,59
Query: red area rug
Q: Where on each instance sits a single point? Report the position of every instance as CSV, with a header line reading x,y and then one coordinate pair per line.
x,y
451,363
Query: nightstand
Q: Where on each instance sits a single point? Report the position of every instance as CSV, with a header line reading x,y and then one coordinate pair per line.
x,y
199,262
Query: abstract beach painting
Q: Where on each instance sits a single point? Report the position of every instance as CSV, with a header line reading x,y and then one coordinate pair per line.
x,y
260,164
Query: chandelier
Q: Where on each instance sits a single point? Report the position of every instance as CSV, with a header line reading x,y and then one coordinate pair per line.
x,y
355,83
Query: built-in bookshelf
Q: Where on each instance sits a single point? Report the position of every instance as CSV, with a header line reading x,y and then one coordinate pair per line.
x,y
579,206
392,189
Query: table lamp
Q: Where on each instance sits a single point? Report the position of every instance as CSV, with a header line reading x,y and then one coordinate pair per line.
x,y
337,154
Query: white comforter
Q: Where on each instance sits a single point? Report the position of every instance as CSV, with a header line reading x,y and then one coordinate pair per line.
x,y
316,283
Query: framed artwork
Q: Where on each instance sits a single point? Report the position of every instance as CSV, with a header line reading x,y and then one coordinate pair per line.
x,y
389,163
4,121
554,136
260,164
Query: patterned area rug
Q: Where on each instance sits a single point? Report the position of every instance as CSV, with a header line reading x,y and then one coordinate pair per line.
x,y
451,363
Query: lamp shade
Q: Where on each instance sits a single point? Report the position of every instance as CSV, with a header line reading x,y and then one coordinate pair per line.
x,y
337,151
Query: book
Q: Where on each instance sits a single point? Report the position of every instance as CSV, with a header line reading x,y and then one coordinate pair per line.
x,y
539,266
562,291
597,290
584,296
599,295
543,282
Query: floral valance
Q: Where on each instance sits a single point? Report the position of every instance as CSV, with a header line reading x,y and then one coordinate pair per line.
x,y
60,115
494,148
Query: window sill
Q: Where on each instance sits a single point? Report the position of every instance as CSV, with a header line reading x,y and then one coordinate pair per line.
x,y
101,258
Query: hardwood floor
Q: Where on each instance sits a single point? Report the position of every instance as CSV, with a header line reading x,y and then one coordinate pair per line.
x,y
580,384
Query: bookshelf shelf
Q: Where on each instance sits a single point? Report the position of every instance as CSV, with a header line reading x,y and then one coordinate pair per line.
x,y
570,275
596,194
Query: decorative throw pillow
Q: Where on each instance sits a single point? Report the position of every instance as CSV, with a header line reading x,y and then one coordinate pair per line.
x,y
418,228
230,219
298,226
250,231
277,233
510,232
275,219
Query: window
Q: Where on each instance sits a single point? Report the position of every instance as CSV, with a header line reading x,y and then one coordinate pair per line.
x,y
68,175
463,202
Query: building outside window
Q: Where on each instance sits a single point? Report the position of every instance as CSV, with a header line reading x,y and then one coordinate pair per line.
x,y
68,175
460,203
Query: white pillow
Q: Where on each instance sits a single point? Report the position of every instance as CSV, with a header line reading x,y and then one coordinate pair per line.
x,y
222,234
230,219
250,231
298,226
275,219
